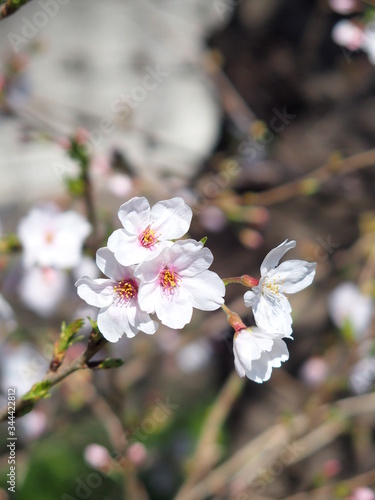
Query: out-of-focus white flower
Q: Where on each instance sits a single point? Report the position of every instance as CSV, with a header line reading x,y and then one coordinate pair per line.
x,y
52,238
21,367
362,493
117,298
8,320
347,304
271,308
257,352
120,184
213,218
194,356
347,34
363,375
147,230
97,456
344,6
86,267
177,280
42,288
314,371
33,424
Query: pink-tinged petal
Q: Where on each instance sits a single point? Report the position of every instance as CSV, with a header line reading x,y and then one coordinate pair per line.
x,y
272,313
107,263
251,297
147,296
206,289
113,323
293,275
98,293
148,270
135,215
190,258
174,310
273,257
145,323
127,249
171,218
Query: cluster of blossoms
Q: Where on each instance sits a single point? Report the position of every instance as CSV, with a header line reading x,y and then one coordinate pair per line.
x,y
52,243
149,272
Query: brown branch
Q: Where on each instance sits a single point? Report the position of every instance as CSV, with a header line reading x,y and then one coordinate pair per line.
x,y
10,7
311,182
26,403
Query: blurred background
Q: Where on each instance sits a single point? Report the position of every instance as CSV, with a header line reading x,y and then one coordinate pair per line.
x,y
261,116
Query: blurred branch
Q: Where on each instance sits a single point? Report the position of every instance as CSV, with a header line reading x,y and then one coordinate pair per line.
x,y
10,7
206,454
311,182
329,420
41,389
368,478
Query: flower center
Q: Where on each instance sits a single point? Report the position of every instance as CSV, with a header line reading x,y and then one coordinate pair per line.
x,y
49,237
125,290
169,280
272,285
148,238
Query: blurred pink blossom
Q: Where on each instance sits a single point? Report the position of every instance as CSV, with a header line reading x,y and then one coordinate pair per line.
x,y
362,493
344,6
314,371
348,34
137,453
97,456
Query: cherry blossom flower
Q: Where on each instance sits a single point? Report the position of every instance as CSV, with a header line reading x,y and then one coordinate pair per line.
x,y
271,308
52,238
177,280
348,304
257,352
117,298
42,288
147,230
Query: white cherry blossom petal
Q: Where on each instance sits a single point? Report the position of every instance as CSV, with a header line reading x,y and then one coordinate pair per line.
x,y
257,352
127,249
145,323
202,287
107,263
98,292
273,313
113,324
135,215
171,218
293,275
174,312
273,257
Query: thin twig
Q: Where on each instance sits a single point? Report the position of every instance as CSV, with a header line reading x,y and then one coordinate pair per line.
x,y
311,182
10,7
206,452
52,378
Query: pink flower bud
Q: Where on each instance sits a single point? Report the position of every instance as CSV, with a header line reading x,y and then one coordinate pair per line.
x,y
344,6
97,456
314,371
137,453
331,467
